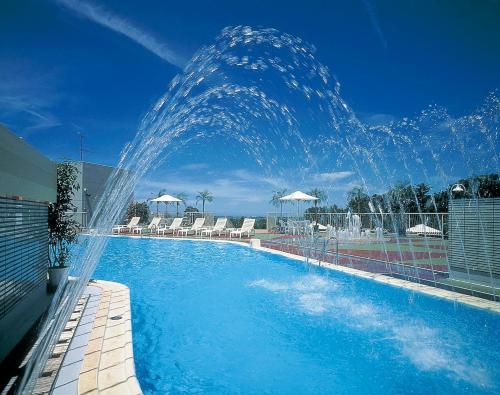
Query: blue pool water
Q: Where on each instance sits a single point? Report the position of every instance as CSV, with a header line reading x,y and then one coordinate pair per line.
x,y
223,319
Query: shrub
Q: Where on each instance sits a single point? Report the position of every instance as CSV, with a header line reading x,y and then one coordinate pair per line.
x,y
63,229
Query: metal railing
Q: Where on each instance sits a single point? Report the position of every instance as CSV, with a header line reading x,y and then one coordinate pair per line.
x,y
330,250
392,222
462,259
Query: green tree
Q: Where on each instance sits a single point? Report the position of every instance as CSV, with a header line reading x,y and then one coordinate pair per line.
x,y
379,202
276,199
482,186
320,196
357,200
63,229
422,197
335,209
401,198
183,197
136,209
204,196
441,201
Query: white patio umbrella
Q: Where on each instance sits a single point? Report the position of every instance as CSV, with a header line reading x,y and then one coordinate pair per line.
x,y
299,196
166,199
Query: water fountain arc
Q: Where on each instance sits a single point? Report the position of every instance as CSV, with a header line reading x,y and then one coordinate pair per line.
x,y
226,91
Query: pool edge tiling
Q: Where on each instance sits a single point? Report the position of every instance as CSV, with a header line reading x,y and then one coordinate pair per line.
x,y
108,365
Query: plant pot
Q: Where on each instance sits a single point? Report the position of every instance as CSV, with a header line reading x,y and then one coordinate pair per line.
x,y
57,275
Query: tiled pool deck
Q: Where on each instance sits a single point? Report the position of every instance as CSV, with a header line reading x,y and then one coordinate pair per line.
x,y
68,375
94,354
108,362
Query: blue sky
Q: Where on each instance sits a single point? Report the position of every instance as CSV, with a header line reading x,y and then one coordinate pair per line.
x,y
97,67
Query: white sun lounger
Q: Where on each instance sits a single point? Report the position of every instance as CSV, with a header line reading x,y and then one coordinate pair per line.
x,y
176,224
134,221
154,224
197,227
218,228
246,228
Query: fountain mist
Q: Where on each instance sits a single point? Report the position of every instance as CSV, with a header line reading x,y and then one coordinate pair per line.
x,y
265,91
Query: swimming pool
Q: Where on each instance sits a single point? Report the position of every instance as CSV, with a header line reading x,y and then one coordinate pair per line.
x,y
222,318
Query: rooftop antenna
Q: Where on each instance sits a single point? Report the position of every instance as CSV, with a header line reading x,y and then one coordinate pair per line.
x,y
81,145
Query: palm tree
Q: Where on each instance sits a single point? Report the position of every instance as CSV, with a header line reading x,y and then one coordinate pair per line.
x,y
183,197
204,196
276,199
321,198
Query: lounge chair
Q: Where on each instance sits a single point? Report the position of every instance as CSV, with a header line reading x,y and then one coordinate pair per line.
x,y
134,221
246,227
195,228
154,224
218,228
176,224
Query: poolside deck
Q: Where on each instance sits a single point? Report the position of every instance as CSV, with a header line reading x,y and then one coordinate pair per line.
x,y
94,353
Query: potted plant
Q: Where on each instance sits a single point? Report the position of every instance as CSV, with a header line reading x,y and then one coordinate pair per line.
x,y
63,229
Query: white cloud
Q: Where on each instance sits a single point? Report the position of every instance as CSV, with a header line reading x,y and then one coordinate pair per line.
x,y
234,191
27,97
120,25
194,166
259,179
374,21
221,188
333,176
240,191
376,119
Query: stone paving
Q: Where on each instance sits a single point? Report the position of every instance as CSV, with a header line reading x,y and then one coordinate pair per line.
x,y
108,365
94,353
53,366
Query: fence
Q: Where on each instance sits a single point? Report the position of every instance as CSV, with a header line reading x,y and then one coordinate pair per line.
x,y
392,222
23,250
419,263
474,236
